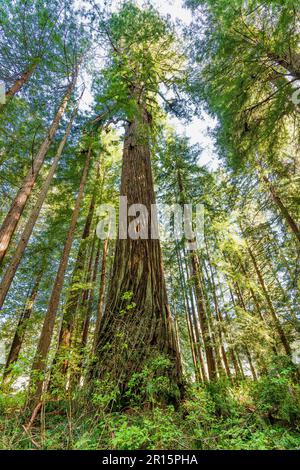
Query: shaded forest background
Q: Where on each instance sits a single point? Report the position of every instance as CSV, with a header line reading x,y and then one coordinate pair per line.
x,y
140,343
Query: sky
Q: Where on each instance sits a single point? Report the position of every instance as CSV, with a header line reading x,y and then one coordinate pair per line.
x,y
198,129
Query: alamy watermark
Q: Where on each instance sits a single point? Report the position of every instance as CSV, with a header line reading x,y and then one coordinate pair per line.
x,y
165,222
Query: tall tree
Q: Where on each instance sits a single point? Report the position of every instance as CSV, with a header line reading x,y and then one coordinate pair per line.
x,y
11,221
40,360
18,253
137,312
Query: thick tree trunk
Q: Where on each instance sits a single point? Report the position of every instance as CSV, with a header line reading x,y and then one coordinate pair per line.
x,y
137,324
40,360
11,221
21,329
18,252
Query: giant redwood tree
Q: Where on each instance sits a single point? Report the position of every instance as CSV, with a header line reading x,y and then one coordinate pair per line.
x,y
137,324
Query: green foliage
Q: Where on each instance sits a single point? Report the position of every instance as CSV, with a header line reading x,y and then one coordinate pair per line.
x,y
277,397
244,69
148,387
152,385
105,393
156,430
219,416
144,54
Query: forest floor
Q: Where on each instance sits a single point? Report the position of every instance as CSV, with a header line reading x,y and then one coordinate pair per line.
x,y
246,415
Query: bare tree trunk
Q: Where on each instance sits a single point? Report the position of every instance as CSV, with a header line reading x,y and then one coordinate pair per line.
x,y
20,82
21,329
11,221
193,330
288,60
19,251
193,319
137,312
101,293
210,320
193,347
83,320
252,368
274,316
241,303
211,365
218,313
91,296
282,208
232,350
40,360
197,336
73,297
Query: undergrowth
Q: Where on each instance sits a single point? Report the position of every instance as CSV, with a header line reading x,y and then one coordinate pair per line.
x,y
222,415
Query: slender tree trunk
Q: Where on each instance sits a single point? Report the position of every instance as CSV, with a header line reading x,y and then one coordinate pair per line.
x,y
284,293
252,368
241,304
192,323
210,320
232,350
238,369
282,208
101,292
196,275
253,295
21,329
197,336
257,308
67,340
194,347
85,313
20,82
83,320
11,221
19,251
73,297
272,311
211,365
91,296
288,60
143,320
218,313
177,330
40,360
